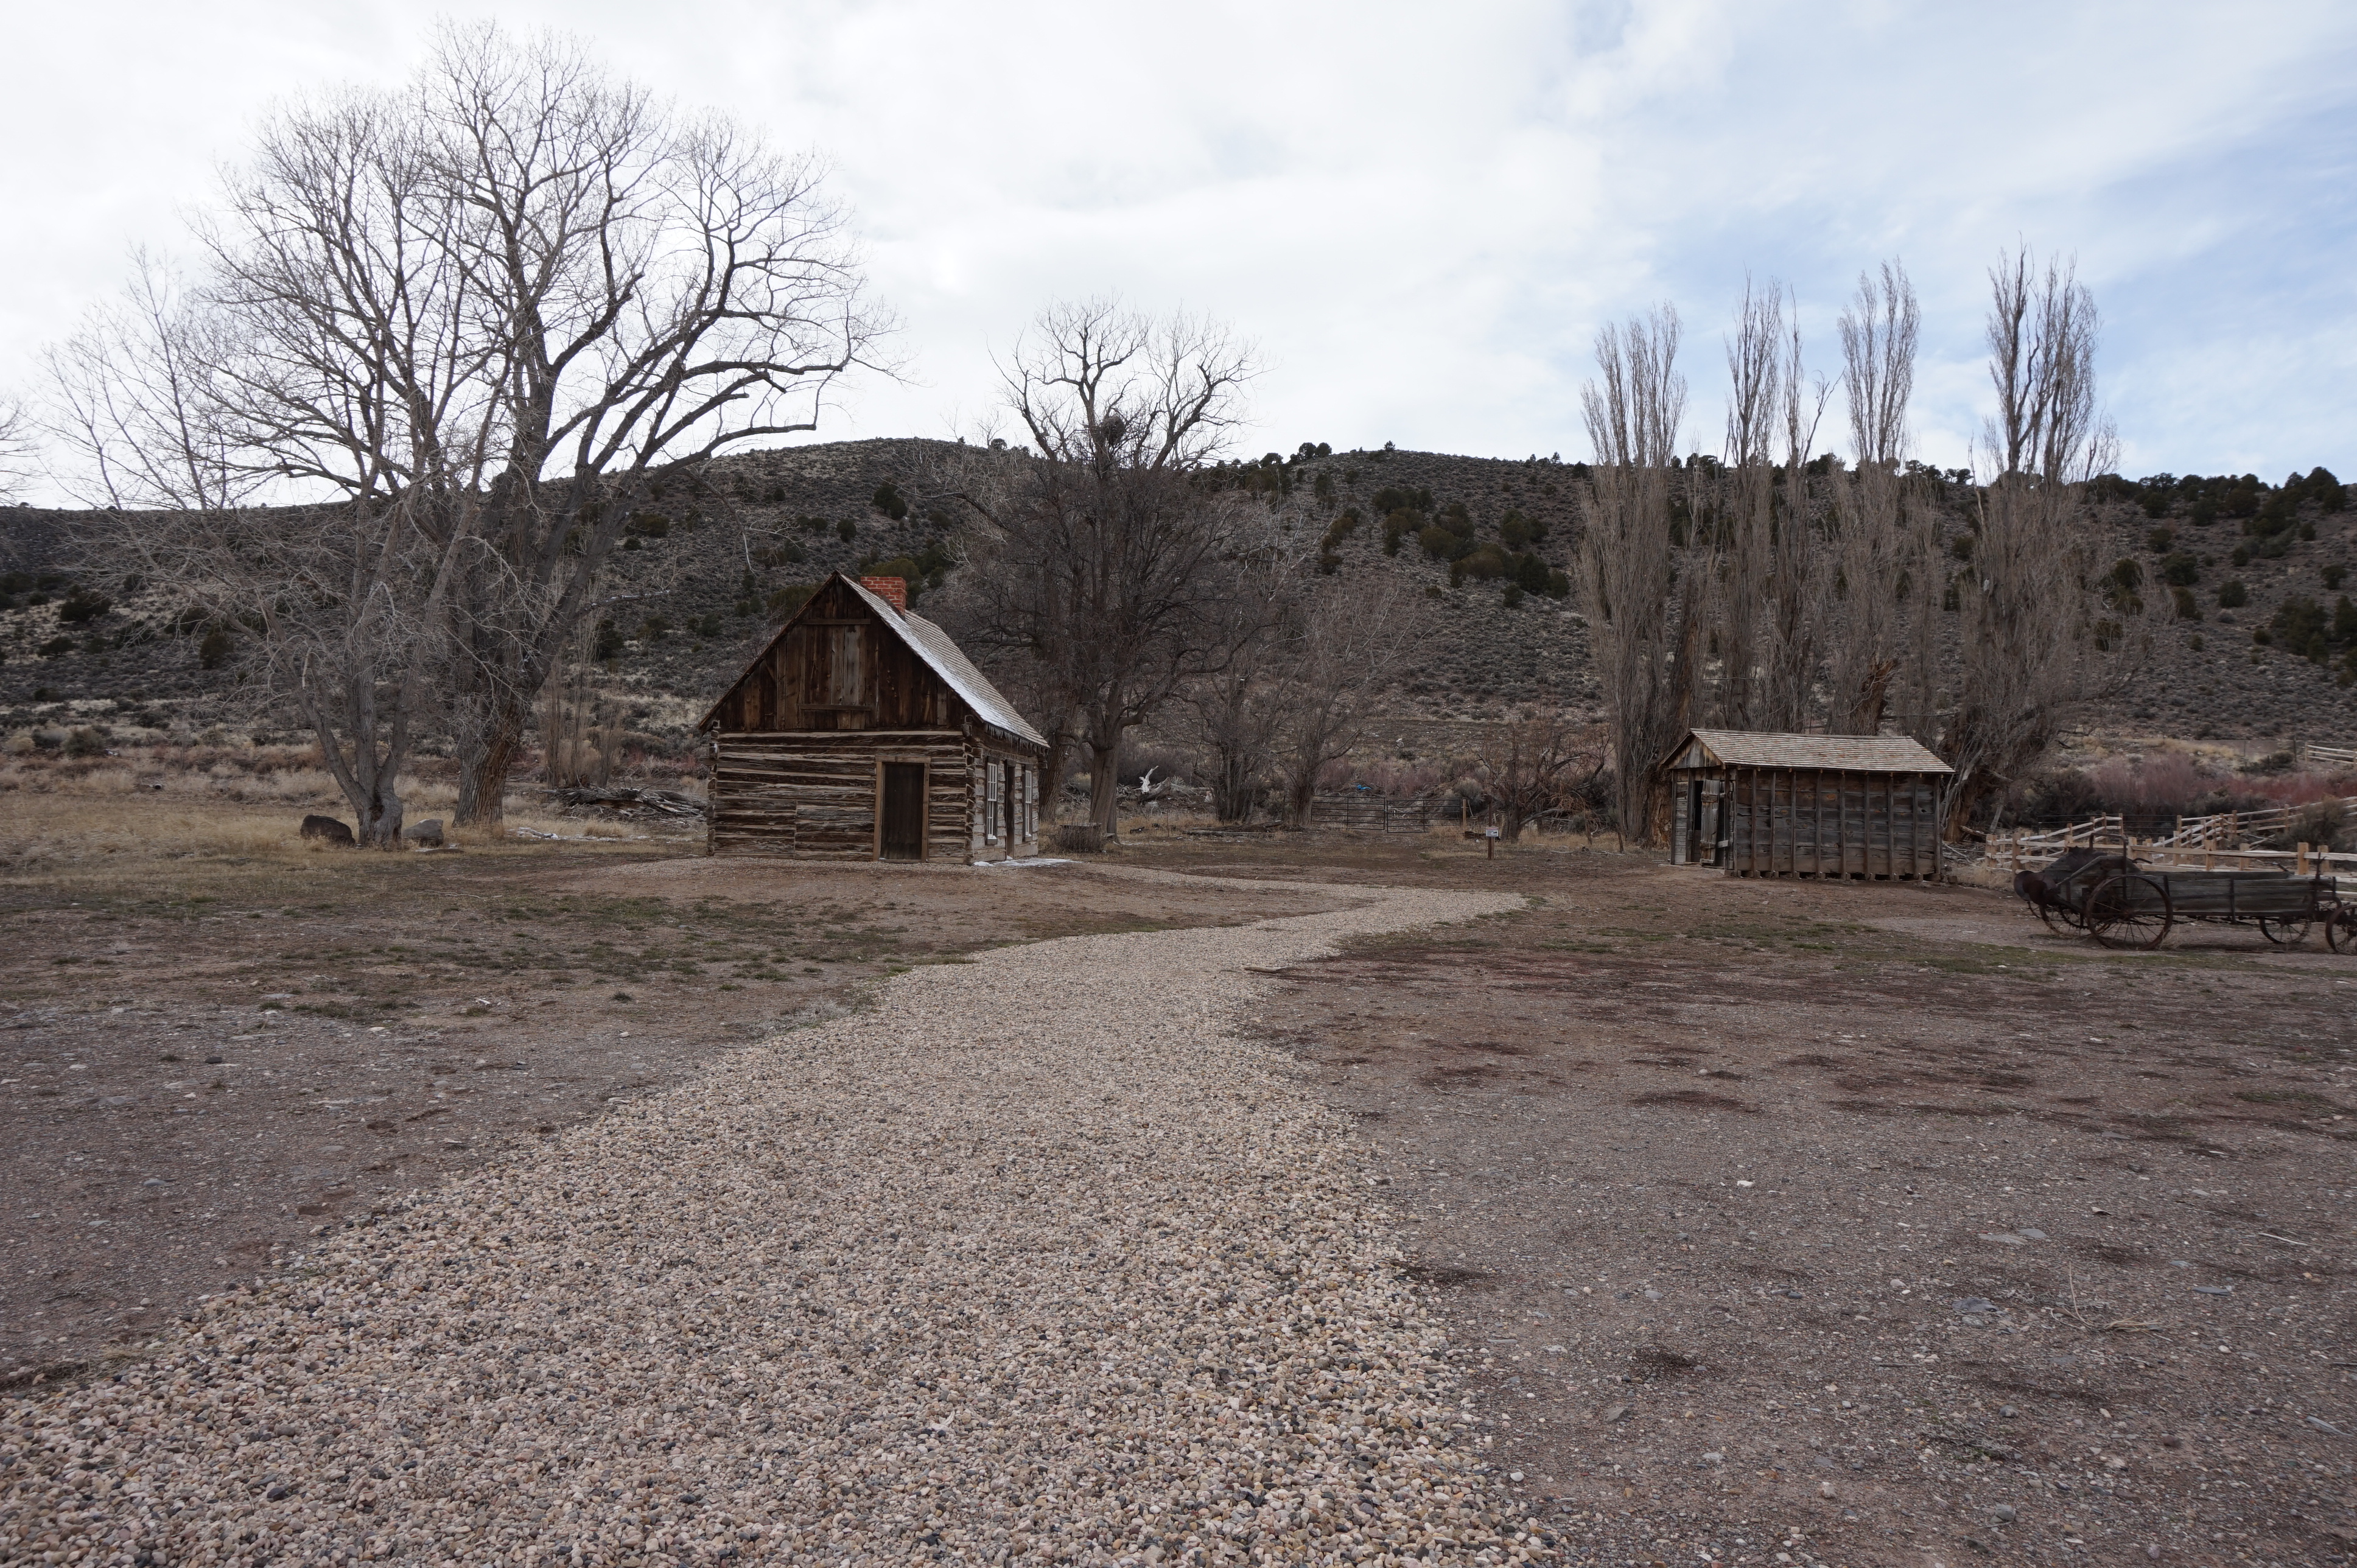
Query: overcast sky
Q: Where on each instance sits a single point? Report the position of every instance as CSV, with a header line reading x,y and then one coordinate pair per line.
x,y
1421,213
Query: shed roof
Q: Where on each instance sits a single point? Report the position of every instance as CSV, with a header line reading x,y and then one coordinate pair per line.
x,y
1850,753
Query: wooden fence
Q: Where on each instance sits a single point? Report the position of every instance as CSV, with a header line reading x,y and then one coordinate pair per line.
x,y
1381,813
2331,756
2007,852
2223,831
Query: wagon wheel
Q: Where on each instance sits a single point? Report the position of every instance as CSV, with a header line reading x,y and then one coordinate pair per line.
x,y
2128,912
2285,930
2340,929
2061,918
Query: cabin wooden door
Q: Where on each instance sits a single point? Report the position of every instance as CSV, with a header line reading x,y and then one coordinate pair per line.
x,y
903,837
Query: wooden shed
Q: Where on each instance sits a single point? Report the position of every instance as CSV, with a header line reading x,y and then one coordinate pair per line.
x,y
861,733
1806,805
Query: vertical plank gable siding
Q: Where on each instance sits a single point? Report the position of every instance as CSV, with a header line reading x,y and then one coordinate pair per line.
x,y
836,669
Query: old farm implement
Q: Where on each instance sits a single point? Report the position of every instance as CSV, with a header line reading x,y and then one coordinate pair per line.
x,y
2123,903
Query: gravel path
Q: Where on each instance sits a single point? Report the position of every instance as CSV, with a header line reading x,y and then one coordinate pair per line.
x,y
1036,1262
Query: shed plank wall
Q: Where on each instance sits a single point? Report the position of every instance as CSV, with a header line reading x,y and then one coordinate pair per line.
x,y
1829,822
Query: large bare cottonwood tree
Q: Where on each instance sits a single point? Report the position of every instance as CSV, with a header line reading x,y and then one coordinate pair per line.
x,y
342,605
1103,568
508,299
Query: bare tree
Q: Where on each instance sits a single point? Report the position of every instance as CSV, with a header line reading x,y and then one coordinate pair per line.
x,y
1100,385
16,448
345,603
1645,596
506,302
1536,763
1353,638
1775,580
1238,711
1877,514
2043,635
2041,339
1103,563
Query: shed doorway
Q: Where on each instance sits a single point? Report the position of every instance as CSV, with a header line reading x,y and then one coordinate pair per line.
x,y
903,836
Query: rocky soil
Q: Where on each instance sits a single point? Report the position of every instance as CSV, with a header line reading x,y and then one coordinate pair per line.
x,y
1039,1261
1868,1224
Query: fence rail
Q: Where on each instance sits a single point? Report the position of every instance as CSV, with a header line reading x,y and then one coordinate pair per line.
x,y
1381,813
2018,854
2337,756
2227,831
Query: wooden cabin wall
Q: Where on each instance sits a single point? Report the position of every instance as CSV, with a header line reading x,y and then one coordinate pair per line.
x,y
837,669
1806,822
816,795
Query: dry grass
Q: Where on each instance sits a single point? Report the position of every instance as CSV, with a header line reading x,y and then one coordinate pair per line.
x,y
118,827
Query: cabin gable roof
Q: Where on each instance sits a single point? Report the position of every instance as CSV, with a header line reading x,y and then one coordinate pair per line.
x,y
928,643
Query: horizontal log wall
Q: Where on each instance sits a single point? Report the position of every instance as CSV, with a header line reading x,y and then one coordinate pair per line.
x,y
1806,822
815,795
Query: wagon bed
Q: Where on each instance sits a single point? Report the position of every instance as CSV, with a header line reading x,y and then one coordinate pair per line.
x,y
2122,904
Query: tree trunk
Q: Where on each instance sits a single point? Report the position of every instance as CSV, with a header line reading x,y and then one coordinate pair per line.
x,y
483,780
1301,796
1104,785
380,819
1231,786
371,782
1965,797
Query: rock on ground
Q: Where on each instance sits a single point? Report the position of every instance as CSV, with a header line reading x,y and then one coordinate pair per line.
x,y
1034,1262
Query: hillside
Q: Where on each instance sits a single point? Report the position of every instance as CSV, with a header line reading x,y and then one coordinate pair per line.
x,y
716,559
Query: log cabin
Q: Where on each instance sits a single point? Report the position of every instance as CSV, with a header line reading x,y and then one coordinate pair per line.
x,y
862,732
1806,805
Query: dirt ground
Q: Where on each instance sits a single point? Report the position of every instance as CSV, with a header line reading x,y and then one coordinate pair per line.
x,y
1777,1222
1862,1223
209,1052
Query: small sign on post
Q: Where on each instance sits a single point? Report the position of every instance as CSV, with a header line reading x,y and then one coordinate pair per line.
x,y
1489,842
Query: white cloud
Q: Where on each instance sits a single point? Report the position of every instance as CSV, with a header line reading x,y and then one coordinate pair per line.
x,y
1422,215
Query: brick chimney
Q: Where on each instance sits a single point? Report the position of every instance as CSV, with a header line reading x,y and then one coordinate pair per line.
x,y
893,591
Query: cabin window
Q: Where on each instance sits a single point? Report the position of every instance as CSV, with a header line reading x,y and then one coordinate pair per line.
x,y
991,796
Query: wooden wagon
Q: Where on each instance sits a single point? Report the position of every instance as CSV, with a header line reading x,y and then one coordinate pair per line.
x,y
2122,904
